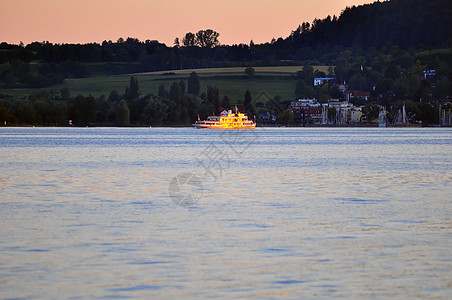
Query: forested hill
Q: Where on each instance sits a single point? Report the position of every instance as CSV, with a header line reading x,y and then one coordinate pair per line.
x,y
418,24
409,25
404,23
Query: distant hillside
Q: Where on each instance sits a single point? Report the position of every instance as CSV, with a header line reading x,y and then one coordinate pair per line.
x,y
363,32
405,23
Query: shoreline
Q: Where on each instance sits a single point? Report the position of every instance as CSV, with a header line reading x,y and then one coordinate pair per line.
x,y
259,126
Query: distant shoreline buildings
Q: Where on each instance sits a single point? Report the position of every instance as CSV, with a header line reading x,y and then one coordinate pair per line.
x,y
335,111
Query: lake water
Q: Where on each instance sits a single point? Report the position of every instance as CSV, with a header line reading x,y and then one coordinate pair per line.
x,y
183,213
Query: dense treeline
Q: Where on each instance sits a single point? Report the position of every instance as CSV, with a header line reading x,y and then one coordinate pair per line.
x,y
177,104
181,103
405,23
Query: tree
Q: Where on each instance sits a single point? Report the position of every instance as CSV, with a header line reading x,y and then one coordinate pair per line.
x,y
156,110
385,87
299,88
427,113
182,87
114,96
176,93
250,72
392,72
331,113
406,61
162,91
358,82
23,111
194,84
133,91
176,42
65,93
302,90
307,75
286,117
213,97
122,55
247,100
225,102
103,108
122,114
4,114
442,89
45,112
207,38
425,94
82,110
330,71
371,112
189,40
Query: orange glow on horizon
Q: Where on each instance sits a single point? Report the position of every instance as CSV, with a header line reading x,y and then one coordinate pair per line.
x,y
84,21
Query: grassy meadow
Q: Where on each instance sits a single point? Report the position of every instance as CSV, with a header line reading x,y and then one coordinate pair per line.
x,y
232,82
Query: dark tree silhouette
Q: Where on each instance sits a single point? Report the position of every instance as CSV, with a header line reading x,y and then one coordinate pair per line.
x,y
133,90
207,38
194,84
189,40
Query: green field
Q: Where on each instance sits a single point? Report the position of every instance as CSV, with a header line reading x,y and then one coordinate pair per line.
x,y
232,82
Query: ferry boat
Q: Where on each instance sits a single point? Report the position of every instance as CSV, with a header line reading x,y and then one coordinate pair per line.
x,y
226,120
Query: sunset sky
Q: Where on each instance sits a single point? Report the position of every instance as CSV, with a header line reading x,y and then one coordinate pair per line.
x,y
84,21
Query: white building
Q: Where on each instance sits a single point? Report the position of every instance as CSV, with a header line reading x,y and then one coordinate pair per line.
x,y
305,102
322,80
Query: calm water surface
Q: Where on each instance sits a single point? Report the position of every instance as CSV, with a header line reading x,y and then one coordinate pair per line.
x,y
278,213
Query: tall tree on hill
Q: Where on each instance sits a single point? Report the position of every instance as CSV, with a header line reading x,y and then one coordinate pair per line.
x,y
307,75
176,43
194,85
226,102
155,110
114,96
189,40
176,93
82,110
207,38
133,90
213,97
247,100
162,91
182,87
122,114
250,109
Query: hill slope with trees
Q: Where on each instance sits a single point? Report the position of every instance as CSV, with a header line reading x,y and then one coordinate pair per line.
x,y
402,23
